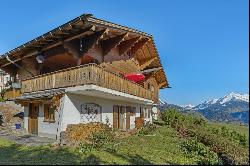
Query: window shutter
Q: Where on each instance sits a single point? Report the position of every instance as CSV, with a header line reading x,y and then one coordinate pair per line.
x,y
115,117
46,112
141,112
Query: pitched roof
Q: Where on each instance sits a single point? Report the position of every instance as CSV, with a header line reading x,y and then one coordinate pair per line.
x,y
78,27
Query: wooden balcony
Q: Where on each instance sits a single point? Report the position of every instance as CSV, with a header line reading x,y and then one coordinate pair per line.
x,y
83,75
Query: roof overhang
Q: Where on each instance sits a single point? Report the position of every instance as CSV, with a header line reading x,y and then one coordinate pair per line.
x,y
79,27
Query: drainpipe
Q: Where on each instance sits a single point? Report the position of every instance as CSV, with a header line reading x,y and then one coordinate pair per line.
x,y
20,67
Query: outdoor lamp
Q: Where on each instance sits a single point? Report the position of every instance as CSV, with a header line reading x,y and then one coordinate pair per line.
x,y
40,59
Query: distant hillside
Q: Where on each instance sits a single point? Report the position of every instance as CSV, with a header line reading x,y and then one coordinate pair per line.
x,y
230,108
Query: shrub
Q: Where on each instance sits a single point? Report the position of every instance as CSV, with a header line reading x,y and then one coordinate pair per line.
x,y
193,148
139,122
170,116
81,132
147,128
98,139
231,147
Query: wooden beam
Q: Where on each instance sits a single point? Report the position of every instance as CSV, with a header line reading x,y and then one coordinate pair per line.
x,y
126,45
162,84
138,45
82,32
89,41
73,48
26,56
109,44
55,44
147,63
152,70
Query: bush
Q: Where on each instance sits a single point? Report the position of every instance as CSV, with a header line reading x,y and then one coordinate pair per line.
x,y
231,147
77,133
139,122
176,118
170,116
99,139
147,128
192,148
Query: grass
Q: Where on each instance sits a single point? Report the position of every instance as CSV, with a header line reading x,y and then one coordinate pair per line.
x,y
164,148
244,130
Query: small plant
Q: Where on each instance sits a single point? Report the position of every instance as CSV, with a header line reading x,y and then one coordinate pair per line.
x,y
147,128
139,122
99,139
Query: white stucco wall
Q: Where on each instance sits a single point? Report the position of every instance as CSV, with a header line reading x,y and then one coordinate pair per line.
x,y
69,113
47,129
72,107
26,116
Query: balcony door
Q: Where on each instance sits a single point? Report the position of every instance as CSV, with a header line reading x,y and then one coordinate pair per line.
x,y
121,117
33,119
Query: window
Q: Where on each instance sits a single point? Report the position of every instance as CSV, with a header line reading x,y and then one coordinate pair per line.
x,y
133,111
144,112
152,88
141,112
49,113
149,86
149,113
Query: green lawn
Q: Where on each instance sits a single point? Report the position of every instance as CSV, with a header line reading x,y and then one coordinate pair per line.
x,y
164,148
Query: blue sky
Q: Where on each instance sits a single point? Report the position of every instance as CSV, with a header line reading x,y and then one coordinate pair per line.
x,y
203,44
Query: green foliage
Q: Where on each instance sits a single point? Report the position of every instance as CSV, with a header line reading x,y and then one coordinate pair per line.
x,y
147,128
98,140
193,148
170,116
176,118
2,92
231,135
230,146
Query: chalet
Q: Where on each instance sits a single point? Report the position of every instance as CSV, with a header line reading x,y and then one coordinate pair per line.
x,y
86,70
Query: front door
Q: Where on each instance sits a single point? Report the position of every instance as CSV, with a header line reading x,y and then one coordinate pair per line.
x,y
33,119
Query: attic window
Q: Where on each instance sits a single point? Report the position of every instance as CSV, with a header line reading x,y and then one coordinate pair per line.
x,y
150,87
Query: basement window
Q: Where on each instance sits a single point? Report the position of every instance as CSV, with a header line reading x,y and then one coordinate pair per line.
x,y
49,113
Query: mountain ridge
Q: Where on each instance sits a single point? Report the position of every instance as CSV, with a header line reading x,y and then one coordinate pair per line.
x,y
233,107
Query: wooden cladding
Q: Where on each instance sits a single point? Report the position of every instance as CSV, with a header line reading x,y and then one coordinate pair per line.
x,y
12,93
83,75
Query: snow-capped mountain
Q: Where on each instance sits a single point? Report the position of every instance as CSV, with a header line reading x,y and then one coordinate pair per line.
x,y
224,101
231,107
189,106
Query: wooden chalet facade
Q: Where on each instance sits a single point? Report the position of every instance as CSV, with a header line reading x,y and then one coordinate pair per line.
x,y
75,74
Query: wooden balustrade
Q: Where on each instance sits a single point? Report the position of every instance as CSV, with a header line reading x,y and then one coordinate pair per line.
x,y
83,75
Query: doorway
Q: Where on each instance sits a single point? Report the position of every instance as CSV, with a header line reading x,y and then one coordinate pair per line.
x,y
33,118
121,117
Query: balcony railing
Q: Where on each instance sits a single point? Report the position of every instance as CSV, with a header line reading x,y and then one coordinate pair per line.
x,y
83,75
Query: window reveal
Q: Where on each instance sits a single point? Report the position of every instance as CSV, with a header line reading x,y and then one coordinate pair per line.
x,y
49,113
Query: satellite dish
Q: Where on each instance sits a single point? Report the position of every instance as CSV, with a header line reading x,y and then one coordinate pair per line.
x,y
154,110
